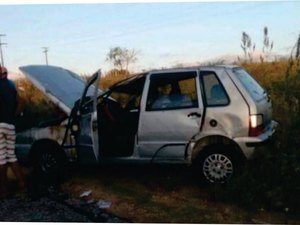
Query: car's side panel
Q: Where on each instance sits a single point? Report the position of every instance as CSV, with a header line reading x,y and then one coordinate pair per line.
x,y
225,119
166,133
25,139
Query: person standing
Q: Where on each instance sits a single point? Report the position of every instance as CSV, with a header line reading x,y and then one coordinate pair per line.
x,y
8,110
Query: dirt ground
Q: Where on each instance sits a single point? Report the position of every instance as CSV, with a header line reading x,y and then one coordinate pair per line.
x,y
49,205
139,194
164,194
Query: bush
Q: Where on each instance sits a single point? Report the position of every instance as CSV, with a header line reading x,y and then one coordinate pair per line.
x,y
113,77
36,106
272,178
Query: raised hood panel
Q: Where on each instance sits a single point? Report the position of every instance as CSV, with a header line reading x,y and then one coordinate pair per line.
x,y
62,86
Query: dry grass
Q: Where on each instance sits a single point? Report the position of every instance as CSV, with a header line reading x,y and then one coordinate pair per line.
x,y
156,194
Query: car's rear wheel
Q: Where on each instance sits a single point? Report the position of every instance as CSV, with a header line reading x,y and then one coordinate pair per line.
x,y
216,164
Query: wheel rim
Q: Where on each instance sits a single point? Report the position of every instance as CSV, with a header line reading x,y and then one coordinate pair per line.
x,y
217,168
48,163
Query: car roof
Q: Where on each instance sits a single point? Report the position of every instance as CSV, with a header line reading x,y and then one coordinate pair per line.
x,y
140,76
206,67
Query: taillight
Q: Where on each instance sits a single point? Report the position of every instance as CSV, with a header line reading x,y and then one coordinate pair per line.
x,y
256,125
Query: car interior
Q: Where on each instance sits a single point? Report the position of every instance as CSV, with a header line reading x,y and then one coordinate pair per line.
x,y
118,116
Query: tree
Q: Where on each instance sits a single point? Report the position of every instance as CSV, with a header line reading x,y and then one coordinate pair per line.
x,y
121,57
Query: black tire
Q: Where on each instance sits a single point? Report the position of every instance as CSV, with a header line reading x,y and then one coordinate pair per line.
x,y
217,164
49,163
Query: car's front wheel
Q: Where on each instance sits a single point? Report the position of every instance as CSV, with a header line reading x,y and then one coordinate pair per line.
x,y
49,162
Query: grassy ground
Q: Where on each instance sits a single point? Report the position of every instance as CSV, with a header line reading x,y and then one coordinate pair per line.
x,y
163,194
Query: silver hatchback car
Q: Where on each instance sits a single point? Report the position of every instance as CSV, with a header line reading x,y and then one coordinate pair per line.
x,y
210,117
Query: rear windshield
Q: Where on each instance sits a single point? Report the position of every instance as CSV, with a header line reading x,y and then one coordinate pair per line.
x,y
254,89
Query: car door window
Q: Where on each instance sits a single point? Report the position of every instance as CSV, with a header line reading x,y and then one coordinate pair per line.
x,y
215,94
169,91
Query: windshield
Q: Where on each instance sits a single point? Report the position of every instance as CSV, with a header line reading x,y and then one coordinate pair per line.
x,y
253,88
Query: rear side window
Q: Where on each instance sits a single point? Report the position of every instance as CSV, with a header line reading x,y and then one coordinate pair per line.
x,y
215,94
253,88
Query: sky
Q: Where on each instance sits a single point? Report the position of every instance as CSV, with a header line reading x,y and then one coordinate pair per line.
x,y
78,36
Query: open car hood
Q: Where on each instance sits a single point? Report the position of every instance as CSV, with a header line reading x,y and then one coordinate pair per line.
x,y
61,86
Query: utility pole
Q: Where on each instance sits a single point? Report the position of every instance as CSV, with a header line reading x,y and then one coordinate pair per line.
x,y
46,55
1,53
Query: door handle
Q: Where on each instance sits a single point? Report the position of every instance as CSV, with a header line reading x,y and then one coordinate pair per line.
x,y
194,114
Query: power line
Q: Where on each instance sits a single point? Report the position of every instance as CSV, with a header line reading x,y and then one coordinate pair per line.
x,y
46,54
1,53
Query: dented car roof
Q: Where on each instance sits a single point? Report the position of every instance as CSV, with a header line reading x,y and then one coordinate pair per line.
x,y
62,86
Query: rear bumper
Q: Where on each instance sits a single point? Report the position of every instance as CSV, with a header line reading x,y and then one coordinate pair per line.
x,y
265,137
248,144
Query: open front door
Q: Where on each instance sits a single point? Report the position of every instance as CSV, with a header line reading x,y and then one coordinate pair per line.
x,y
87,139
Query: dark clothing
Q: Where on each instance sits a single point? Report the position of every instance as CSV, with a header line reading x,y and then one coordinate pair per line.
x,y
8,101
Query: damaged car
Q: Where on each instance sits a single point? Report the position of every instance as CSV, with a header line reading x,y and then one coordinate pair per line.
x,y
211,117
